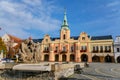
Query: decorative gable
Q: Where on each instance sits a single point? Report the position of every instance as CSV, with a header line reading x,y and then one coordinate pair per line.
x,y
83,37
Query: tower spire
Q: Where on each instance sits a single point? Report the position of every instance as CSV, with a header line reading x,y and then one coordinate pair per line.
x,y
65,23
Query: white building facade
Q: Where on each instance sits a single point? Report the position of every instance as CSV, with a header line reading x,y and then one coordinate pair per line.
x,y
117,49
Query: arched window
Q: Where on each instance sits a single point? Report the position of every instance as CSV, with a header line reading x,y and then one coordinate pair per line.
x,y
64,36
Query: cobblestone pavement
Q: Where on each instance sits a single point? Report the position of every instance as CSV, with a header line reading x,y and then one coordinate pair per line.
x,y
99,71
95,71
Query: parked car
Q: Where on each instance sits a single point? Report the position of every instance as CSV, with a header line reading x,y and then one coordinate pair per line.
x,y
4,60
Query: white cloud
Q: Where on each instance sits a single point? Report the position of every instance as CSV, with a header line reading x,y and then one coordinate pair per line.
x,y
112,4
107,23
31,2
19,17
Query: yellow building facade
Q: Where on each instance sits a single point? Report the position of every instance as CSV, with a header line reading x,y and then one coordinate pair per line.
x,y
82,48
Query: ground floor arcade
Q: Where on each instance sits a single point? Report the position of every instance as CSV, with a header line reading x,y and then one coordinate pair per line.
x,y
77,58
107,58
103,57
67,58
117,57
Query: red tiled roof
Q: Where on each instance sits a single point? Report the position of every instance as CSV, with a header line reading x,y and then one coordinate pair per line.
x,y
17,40
17,46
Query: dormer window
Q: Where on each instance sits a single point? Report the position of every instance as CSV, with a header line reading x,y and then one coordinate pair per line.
x,y
46,40
83,38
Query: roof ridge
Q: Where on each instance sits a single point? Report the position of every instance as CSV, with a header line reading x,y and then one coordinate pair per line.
x,y
101,35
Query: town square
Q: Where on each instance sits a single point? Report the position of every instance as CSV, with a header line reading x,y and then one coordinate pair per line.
x,y
53,40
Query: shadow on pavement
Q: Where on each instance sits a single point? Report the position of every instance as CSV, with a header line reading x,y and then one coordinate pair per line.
x,y
72,79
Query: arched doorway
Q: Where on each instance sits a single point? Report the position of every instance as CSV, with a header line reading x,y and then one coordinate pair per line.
x,y
108,58
118,59
72,57
95,59
63,57
84,58
46,57
56,57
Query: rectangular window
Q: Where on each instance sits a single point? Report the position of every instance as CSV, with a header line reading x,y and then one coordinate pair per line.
x,y
93,48
46,49
81,47
64,48
72,48
105,48
118,49
96,48
84,48
56,48
109,48
101,48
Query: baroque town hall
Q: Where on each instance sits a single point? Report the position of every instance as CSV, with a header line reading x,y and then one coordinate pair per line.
x,y
82,48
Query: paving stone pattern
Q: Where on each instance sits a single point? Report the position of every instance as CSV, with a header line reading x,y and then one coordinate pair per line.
x,y
100,71
95,71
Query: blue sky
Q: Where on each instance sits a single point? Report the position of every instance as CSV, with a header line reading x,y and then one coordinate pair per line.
x,y
23,18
